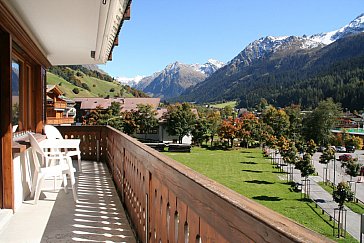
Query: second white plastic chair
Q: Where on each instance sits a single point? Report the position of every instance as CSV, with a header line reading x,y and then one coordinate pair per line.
x,y
53,133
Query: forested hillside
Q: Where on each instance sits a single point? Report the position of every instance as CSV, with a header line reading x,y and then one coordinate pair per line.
x,y
302,77
79,81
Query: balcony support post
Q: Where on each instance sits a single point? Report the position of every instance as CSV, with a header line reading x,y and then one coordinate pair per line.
x,y
98,150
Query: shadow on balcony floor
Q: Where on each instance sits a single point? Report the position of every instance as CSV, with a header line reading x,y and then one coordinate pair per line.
x,y
98,216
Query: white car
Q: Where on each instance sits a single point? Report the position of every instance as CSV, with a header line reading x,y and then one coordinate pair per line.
x,y
340,149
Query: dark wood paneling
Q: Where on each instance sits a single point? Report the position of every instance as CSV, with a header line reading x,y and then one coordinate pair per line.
x,y
39,98
6,177
127,12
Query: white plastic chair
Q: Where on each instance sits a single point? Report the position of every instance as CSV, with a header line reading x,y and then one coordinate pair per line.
x,y
15,127
44,168
53,133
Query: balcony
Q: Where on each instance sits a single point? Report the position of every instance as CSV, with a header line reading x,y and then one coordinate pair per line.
x,y
164,200
97,216
57,105
59,120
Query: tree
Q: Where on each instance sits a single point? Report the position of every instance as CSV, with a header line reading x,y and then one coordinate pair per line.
x,y
129,122
262,105
227,111
75,90
145,118
311,147
288,152
111,116
327,155
305,166
228,130
200,131
354,141
85,86
295,122
266,136
278,120
342,193
248,128
318,124
180,120
94,116
213,122
352,167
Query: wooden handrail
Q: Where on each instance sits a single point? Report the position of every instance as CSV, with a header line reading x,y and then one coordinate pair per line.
x,y
168,201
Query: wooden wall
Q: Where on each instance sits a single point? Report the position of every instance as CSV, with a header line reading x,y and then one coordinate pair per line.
x,y
15,43
6,165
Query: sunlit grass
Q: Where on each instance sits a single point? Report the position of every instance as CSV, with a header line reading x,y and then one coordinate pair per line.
x,y
222,105
248,173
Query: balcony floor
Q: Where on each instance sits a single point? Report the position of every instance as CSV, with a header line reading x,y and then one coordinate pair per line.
x,y
98,216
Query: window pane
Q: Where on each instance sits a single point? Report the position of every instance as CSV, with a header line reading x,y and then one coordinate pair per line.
x,y
15,92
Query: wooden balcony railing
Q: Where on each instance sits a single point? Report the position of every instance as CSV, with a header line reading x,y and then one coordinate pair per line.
x,y
59,120
168,202
60,105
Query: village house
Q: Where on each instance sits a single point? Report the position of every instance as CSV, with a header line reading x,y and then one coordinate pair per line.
x,y
85,105
60,110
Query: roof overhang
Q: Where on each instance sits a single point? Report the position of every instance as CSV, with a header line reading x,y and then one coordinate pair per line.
x,y
72,32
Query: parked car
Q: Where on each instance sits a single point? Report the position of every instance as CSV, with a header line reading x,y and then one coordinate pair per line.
x,y
345,157
340,149
321,149
350,149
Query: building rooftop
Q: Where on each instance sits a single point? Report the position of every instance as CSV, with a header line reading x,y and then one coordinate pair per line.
x,y
126,103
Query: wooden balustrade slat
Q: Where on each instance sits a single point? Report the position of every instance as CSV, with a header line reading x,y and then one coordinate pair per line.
x,y
167,201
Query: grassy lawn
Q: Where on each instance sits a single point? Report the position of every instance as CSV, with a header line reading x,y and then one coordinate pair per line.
x,y
67,87
222,105
97,87
248,173
355,207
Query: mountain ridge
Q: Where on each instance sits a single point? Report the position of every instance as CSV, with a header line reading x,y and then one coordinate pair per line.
x,y
270,57
177,77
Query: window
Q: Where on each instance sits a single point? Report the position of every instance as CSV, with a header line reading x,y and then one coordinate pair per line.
x,y
30,101
15,93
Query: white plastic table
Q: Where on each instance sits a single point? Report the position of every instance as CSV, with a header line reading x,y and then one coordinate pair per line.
x,y
65,144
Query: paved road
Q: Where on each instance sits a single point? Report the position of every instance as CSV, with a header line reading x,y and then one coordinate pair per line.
x,y
339,172
324,199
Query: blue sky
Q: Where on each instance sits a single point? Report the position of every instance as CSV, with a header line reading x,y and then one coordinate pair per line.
x,y
192,31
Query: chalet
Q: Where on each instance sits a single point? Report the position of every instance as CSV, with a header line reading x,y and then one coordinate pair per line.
x,y
160,134
60,109
165,201
85,105
350,120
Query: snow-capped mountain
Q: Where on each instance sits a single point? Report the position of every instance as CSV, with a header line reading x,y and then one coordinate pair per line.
x,y
265,46
177,77
209,67
130,81
284,69
354,27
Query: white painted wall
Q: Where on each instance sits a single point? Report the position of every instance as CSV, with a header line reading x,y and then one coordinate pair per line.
x,y
163,136
23,174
